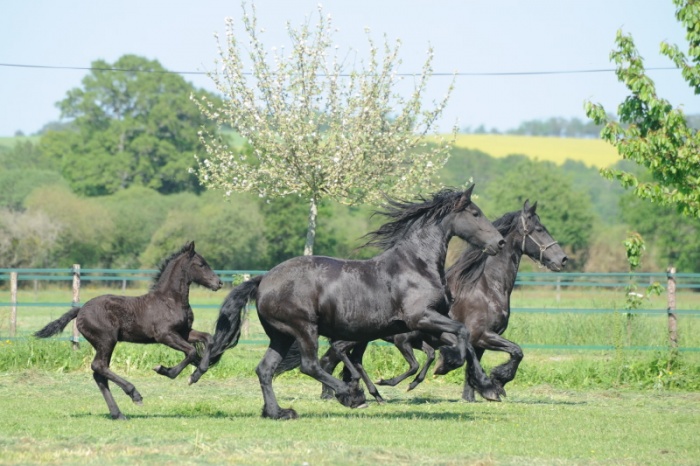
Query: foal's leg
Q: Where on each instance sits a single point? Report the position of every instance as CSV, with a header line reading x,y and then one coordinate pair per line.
x,y
176,341
451,357
206,339
102,373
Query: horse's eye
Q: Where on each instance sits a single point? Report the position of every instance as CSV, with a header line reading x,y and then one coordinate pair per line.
x,y
475,213
539,229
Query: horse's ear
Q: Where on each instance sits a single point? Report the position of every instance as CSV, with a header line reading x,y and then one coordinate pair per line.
x,y
526,206
465,198
533,208
189,248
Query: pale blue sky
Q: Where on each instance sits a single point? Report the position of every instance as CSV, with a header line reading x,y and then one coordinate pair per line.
x,y
468,37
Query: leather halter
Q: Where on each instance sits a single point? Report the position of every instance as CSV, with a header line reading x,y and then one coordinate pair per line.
x,y
526,234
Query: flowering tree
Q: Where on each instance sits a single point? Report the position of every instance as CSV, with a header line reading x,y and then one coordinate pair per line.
x,y
658,136
316,129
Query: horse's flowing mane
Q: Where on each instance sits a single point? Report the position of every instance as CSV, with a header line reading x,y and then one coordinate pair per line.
x,y
405,214
163,265
470,264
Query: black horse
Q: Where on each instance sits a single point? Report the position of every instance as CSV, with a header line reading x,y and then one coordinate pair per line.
x,y
162,316
481,286
400,290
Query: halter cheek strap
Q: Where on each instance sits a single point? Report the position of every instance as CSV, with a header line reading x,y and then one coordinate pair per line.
x,y
543,247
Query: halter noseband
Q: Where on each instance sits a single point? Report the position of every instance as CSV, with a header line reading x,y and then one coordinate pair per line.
x,y
526,234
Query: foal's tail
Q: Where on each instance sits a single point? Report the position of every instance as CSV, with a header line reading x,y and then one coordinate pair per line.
x,y
59,324
228,326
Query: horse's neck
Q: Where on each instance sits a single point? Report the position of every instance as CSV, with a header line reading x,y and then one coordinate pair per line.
x,y
430,245
504,265
173,281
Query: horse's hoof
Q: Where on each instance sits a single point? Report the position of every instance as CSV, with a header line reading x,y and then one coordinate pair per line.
x,y
158,368
362,406
490,395
119,417
282,414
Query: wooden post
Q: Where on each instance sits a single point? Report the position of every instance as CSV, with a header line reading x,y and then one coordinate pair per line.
x,y
671,300
246,322
76,302
13,300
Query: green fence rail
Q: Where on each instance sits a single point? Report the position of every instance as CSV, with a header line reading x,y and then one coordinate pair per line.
x,y
552,282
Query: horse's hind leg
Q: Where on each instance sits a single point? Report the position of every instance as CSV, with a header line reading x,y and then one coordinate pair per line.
x,y
430,353
206,340
344,393
329,361
354,357
103,385
403,344
102,373
279,345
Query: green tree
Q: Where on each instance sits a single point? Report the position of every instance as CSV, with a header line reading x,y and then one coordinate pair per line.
x,y
566,212
84,226
132,124
651,132
317,130
227,235
678,245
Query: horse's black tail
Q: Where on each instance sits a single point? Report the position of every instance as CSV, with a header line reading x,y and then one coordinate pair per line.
x,y
228,326
291,361
59,324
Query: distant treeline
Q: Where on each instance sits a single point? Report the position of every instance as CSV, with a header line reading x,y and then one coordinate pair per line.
x,y
559,127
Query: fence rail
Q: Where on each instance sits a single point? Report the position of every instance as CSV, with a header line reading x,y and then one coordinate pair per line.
x,y
669,280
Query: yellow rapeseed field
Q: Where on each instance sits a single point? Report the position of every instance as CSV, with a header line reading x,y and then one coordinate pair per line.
x,y
592,152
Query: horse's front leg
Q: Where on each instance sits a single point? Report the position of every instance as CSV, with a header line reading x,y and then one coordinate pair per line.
x,y
205,339
452,357
349,395
176,341
505,372
355,357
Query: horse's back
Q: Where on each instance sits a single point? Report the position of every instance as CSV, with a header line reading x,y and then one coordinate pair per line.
x,y
124,318
341,297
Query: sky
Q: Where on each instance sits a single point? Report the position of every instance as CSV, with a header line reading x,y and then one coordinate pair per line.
x,y
479,39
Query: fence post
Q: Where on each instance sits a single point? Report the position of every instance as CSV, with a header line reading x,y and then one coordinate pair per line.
x,y
671,300
13,300
246,322
76,302
558,289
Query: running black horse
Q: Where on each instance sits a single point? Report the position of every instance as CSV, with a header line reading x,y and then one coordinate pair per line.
x,y
163,315
400,290
481,286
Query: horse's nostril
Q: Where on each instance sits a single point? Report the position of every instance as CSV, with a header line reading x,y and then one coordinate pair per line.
x,y
501,243
563,261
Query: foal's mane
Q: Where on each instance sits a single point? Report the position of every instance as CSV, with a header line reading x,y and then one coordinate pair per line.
x,y
166,261
471,263
405,214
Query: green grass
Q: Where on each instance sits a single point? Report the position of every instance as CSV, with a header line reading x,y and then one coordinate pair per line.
x,y
565,407
61,419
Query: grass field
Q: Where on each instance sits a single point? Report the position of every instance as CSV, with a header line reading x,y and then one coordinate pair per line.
x,y
592,152
51,418
565,407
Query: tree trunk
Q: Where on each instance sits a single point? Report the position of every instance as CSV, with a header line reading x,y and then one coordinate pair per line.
x,y
311,231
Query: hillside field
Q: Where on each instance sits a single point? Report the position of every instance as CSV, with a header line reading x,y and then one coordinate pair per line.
x,y
592,152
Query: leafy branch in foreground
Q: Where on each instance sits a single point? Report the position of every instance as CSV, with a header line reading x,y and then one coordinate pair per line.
x,y
655,135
